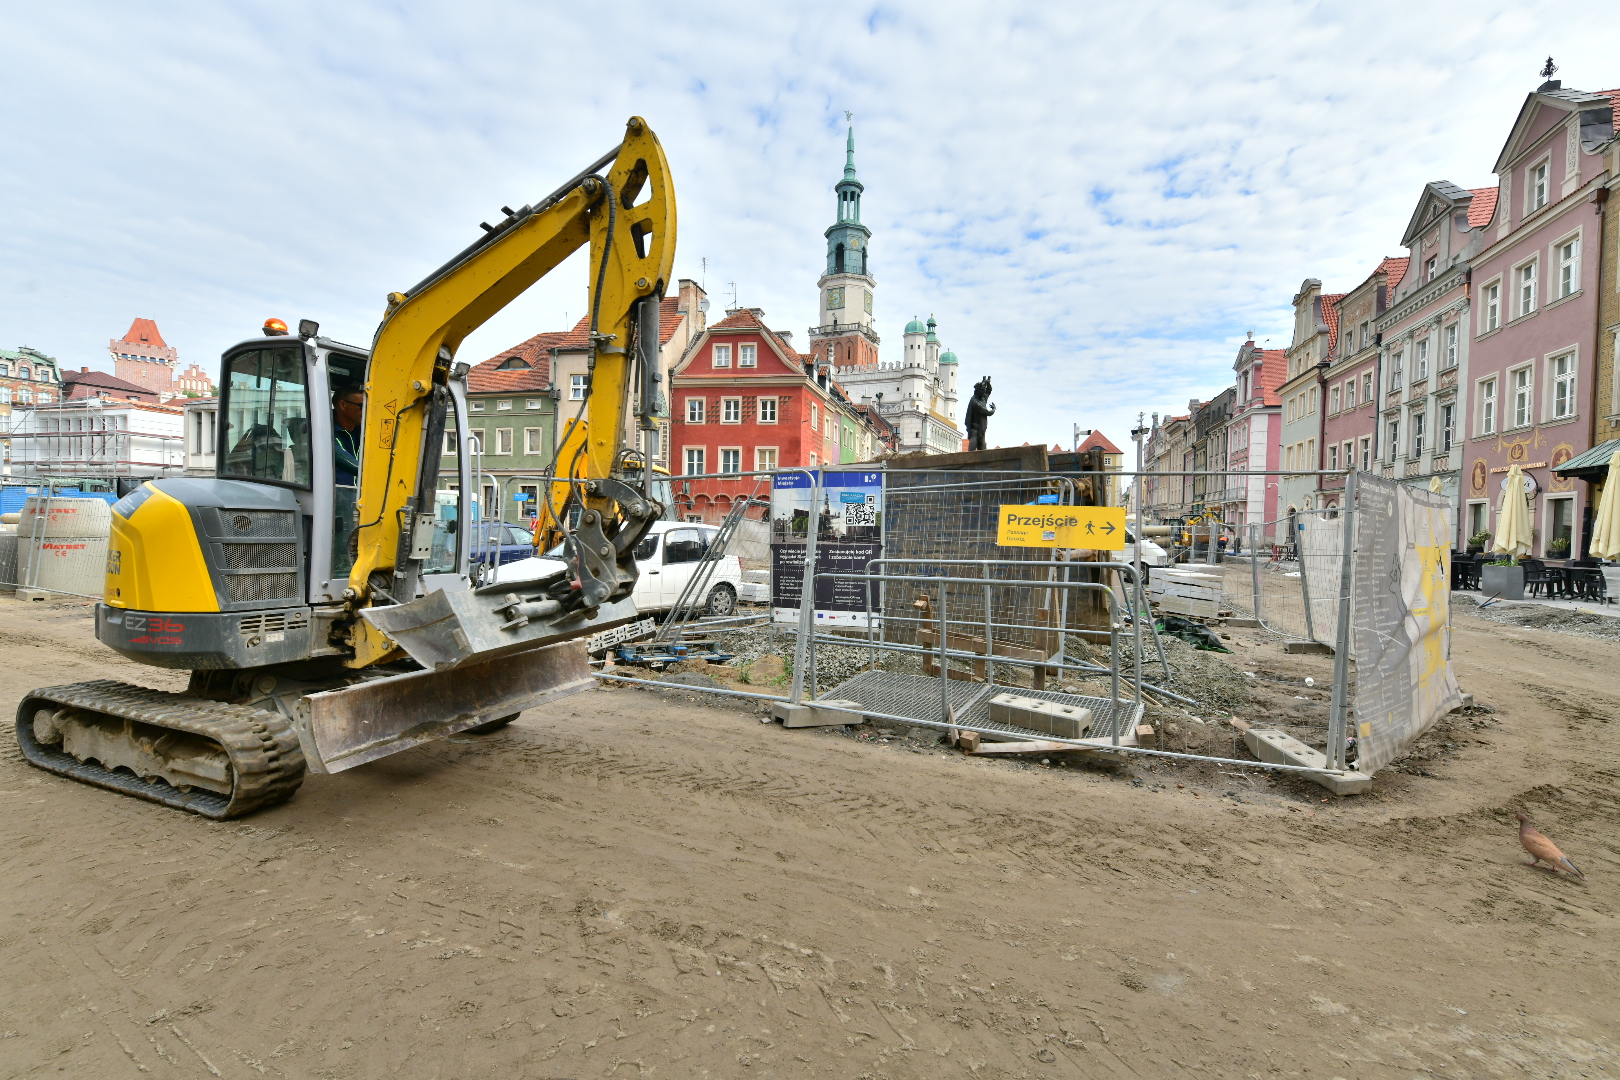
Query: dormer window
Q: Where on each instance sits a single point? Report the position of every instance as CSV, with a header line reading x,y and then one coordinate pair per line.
x,y
513,363
1538,186
22,371
1431,268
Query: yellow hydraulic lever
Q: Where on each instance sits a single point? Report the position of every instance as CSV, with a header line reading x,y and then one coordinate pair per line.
x,y
628,218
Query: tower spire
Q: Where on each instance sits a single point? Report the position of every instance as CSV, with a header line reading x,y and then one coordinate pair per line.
x,y
849,148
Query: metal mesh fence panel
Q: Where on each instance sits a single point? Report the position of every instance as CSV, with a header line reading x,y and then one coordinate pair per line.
x,y
1293,589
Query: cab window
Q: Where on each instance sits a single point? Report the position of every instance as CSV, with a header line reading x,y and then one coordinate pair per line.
x,y
266,413
647,548
683,546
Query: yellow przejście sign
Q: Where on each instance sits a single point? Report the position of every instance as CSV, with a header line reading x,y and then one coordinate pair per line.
x,y
1096,527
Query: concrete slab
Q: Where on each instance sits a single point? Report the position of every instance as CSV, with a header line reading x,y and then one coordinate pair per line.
x,y
1036,714
1243,622
1318,647
827,712
1280,748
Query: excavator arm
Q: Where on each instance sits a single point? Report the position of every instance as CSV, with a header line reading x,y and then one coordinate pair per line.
x,y
627,216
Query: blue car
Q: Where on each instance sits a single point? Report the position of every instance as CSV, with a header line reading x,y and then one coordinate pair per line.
x,y
509,543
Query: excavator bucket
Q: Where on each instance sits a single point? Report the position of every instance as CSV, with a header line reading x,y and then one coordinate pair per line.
x,y
340,729
452,628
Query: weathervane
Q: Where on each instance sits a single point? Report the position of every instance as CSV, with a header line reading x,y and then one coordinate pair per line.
x,y
849,117
1549,69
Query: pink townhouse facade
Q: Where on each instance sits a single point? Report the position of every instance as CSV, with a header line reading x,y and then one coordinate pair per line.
x,y
1349,393
1425,342
1534,314
1254,438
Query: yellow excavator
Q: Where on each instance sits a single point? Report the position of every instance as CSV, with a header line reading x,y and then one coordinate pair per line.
x,y
319,587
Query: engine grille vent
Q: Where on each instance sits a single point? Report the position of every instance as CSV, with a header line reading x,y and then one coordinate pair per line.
x,y
271,621
260,557
253,588
254,524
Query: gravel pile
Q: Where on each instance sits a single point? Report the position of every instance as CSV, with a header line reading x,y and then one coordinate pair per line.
x,y
1580,623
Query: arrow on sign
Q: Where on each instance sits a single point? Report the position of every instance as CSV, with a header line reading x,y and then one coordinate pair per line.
x,y
1109,528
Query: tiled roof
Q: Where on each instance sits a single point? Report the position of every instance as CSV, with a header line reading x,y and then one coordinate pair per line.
x,y
749,319
1330,315
145,332
669,320
1273,373
104,381
1100,441
1394,269
487,378
1483,208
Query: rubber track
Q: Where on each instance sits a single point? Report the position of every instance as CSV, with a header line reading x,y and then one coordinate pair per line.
x,y
266,760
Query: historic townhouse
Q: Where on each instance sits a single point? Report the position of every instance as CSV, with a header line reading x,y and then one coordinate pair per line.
x,y
1316,331
1534,314
1349,403
746,401
512,416
1211,424
1253,441
1425,341
1168,454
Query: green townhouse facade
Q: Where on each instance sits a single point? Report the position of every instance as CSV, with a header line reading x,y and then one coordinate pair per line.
x,y
512,417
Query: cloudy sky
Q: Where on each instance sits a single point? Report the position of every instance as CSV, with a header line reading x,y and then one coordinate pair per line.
x,y
1096,200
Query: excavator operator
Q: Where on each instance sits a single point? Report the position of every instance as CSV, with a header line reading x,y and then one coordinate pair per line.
x,y
348,409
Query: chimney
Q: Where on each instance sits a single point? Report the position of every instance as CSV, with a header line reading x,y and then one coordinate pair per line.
x,y
85,370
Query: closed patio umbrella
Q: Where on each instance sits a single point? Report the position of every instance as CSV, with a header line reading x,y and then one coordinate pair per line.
x,y
1606,518
1512,517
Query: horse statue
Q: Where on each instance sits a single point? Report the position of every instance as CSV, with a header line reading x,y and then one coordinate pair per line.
x,y
979,412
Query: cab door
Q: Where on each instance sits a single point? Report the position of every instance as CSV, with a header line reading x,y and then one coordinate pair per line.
x,y
683,549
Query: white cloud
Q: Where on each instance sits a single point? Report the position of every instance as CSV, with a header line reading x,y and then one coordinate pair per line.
x,y
1096,201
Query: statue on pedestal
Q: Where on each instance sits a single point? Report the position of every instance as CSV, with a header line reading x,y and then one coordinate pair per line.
x,y
979,412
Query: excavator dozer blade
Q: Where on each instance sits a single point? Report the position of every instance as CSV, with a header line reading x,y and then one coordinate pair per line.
x,y
340,729
450,628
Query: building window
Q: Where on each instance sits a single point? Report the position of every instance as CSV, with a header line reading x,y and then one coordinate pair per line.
x,y
450,442
1349,455
503,406
1448,427
23,371
1418,420
764,458
1315,401
1394,439
1420,361
767,410
1477,516
731,459
1487,407
503,441
531,440
814,461
694,460
1431,269
815,416
1395,363
746,355
475,406
1350,394
1560,523
576,388
731,410
1366,335
1493,307
1366,453
722,356
1448,358
1538,186
1333,456
694,410
475,441
1333,401
1527,289
1569,270
1563,386
652,443
532,403
1522,397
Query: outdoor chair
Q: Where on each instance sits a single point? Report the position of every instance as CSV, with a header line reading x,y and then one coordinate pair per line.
x,y
1465,573
1539,580
1587,583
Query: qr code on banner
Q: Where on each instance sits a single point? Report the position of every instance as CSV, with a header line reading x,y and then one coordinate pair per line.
x,y
861,513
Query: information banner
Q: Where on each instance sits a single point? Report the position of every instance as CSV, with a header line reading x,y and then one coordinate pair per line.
x,y
849,534
1100,528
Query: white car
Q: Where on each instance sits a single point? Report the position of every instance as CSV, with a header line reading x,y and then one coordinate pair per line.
x,y
666,559
1152,554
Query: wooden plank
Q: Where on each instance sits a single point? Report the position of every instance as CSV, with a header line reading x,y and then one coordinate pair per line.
x,y
931,669
1026,746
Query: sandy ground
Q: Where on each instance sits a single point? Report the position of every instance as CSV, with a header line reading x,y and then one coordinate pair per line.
x,y
632,886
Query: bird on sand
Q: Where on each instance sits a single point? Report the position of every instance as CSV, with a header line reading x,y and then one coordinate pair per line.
x,y
1543,849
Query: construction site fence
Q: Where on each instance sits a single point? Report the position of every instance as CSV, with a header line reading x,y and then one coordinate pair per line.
x,y
1292,589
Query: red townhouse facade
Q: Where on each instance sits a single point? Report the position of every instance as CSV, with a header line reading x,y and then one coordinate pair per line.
x,y
744,400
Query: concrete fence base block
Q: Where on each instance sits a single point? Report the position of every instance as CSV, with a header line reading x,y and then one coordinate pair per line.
x,y
829,712
1279,748
1037,714
1242,622
1320,648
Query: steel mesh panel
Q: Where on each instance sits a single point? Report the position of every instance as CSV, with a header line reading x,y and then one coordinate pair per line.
x,y
252,588
917,697
259,556
253,524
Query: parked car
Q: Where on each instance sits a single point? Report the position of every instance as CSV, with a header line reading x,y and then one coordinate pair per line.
x,y
508,543
666,559
1152,554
